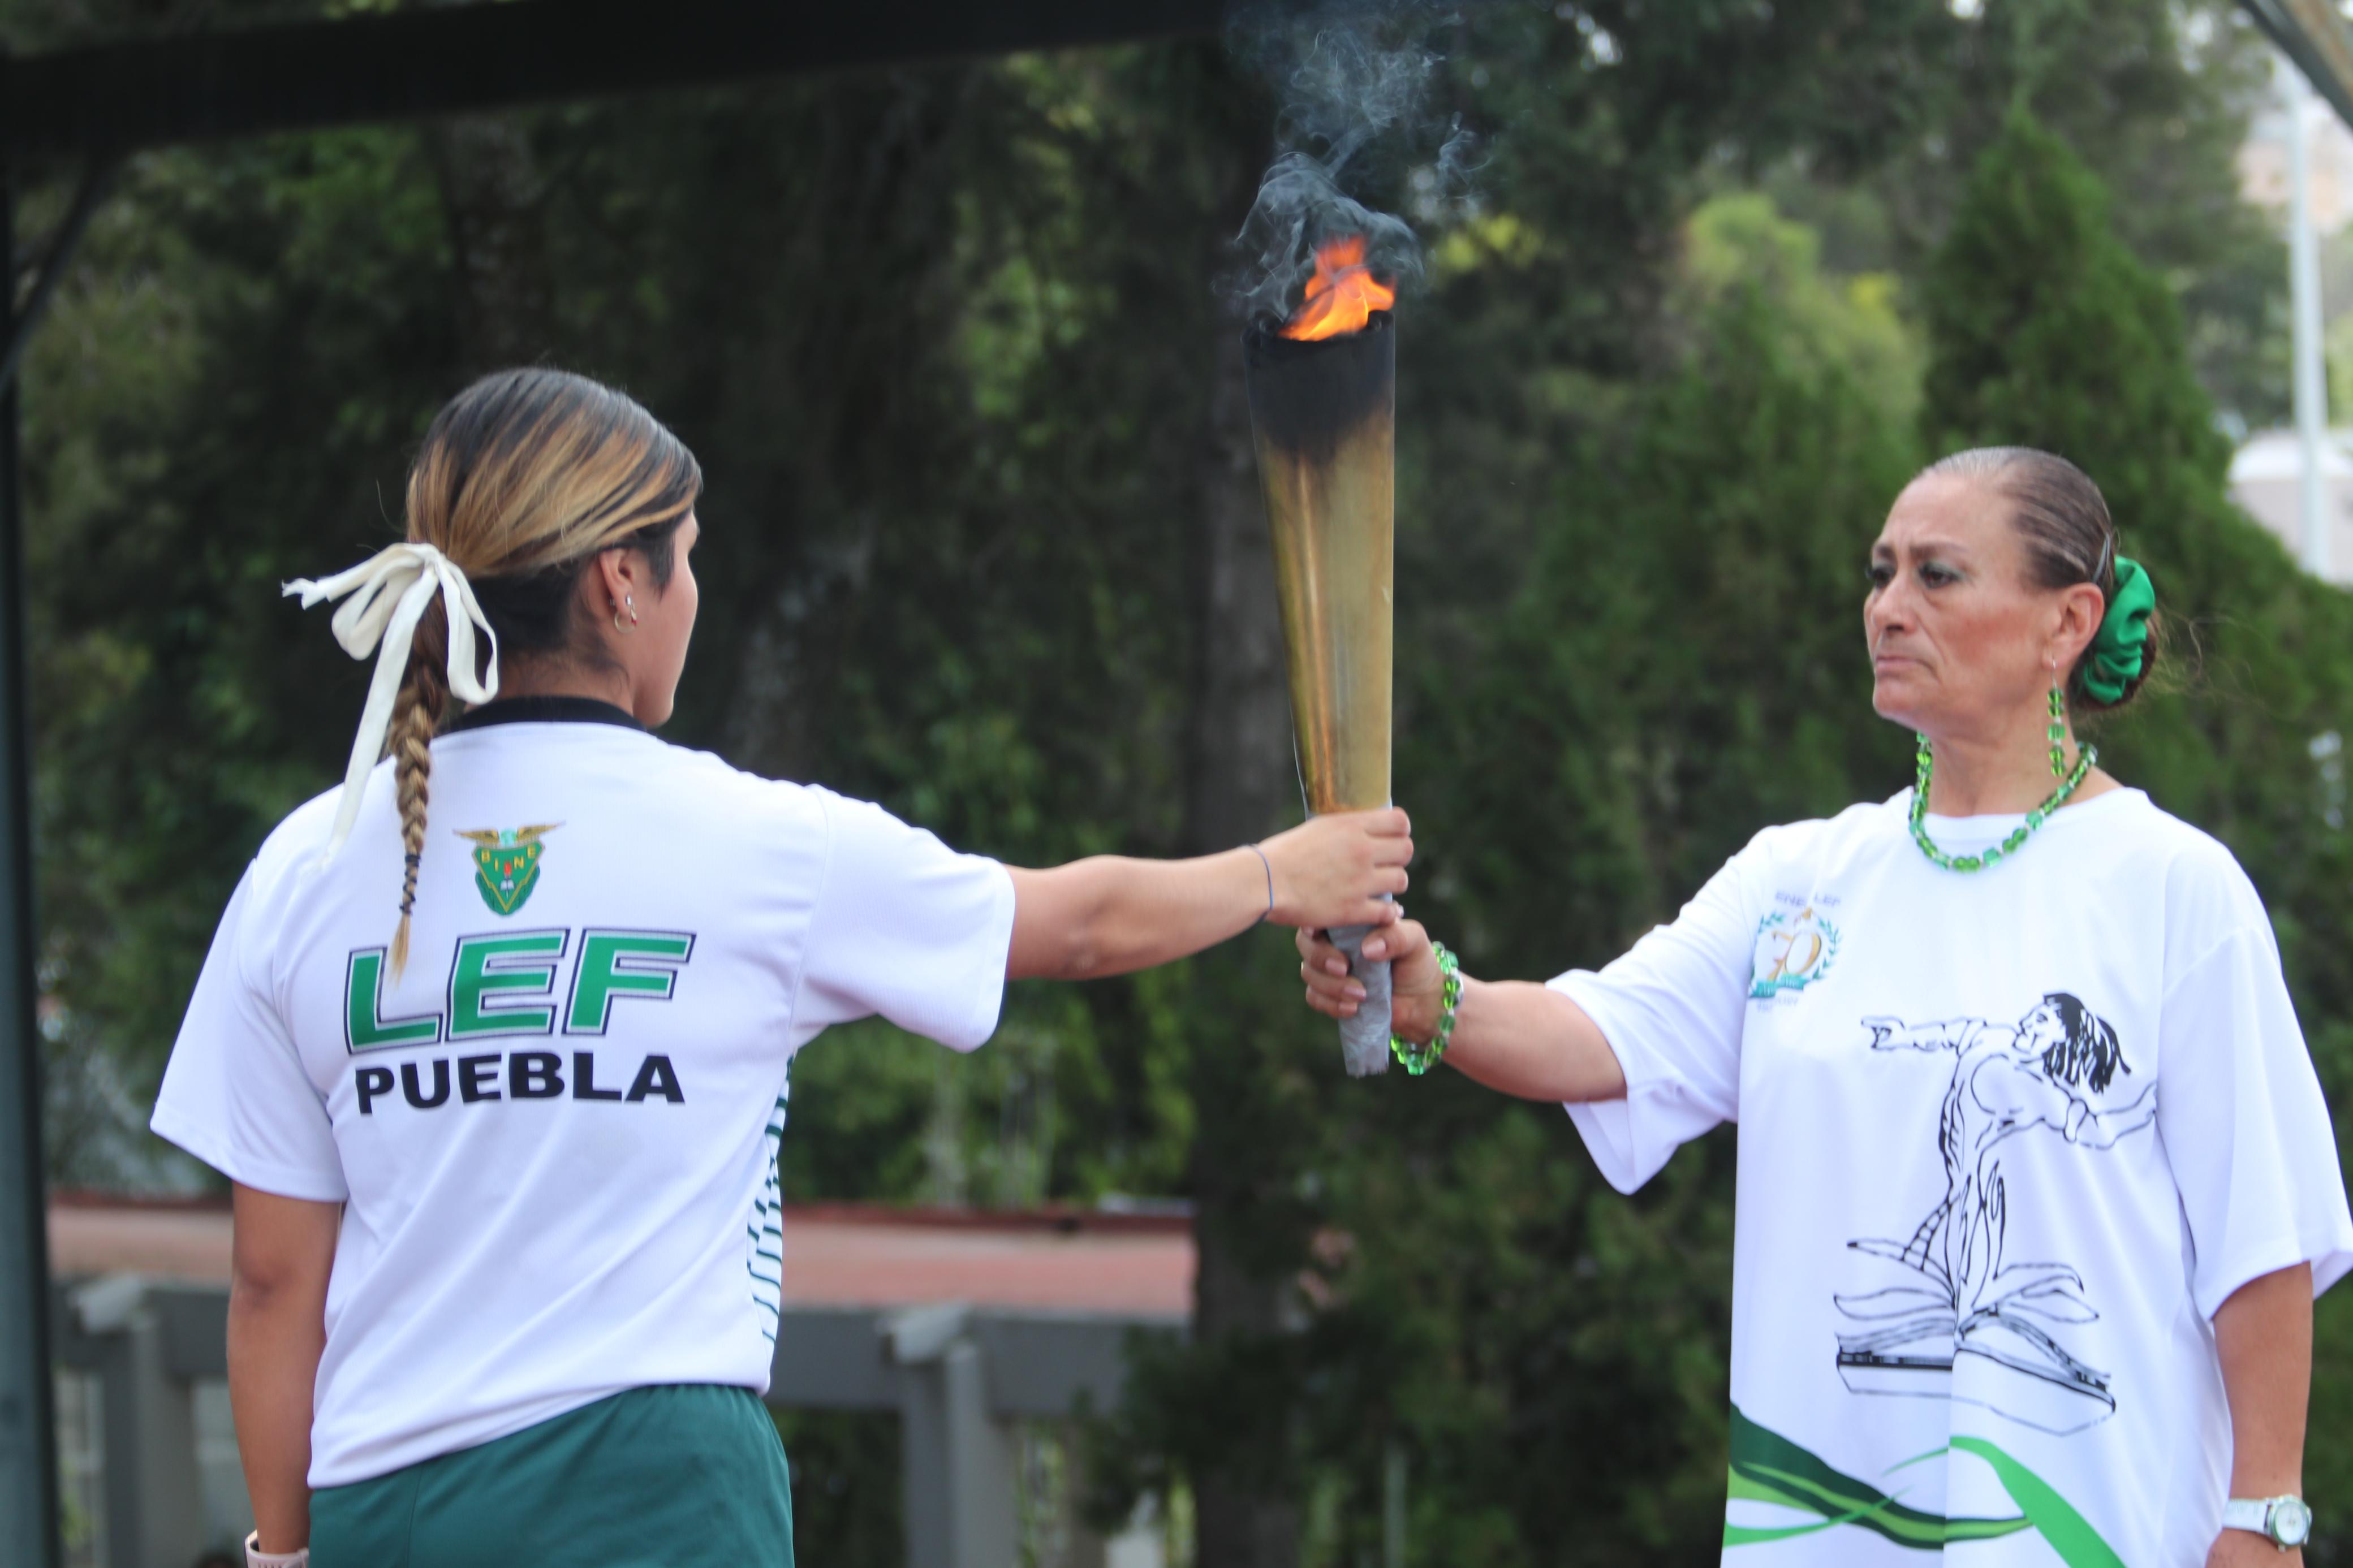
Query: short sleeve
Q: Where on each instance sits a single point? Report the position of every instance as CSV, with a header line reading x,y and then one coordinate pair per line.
x,y
235,1094
2244,1125
1672,1009
906,928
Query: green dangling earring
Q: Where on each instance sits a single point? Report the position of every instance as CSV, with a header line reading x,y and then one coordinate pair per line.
x,y
2058,731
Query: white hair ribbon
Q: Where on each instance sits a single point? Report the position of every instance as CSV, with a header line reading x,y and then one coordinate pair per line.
x,y
388,593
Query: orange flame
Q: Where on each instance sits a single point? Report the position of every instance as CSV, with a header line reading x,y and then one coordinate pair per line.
x,y
1342,296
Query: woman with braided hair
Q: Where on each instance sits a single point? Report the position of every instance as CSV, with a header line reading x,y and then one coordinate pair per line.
x,y
508,1252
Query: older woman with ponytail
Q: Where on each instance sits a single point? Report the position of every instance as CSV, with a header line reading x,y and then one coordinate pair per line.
x,y
493,1040
2036,1185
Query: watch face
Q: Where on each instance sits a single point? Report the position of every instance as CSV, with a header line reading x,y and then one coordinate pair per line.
x,y
2291,1521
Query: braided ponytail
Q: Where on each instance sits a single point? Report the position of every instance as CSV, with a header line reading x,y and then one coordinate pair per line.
x,y
417,713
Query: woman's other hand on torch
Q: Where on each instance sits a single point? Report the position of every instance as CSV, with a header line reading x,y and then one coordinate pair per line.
x,y
1521,1037
1333,870
1413,975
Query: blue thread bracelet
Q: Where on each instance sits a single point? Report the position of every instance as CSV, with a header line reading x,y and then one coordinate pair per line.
x,y
1419,1059
1269,884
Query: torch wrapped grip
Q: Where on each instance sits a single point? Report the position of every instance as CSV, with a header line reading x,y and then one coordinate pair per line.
x,y
1364,1038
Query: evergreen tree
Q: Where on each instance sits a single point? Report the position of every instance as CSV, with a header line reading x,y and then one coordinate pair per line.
x,y
2154,96
2043,320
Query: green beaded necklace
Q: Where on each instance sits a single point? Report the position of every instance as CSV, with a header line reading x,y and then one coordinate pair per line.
x,y
2008,847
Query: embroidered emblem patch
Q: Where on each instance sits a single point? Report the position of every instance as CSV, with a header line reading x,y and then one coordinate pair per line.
x,y
1793,951
506,863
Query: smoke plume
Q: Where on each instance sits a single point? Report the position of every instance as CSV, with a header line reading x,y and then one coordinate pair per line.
x,y
1354,82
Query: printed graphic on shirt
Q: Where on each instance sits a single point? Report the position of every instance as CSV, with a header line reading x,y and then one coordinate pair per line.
x,y
365,1028
2060,1069
766,1233
1793,951
512,982
506,863
1767,1467
496,1077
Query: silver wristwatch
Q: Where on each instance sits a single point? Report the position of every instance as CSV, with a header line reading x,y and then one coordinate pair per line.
x,y
2285,1521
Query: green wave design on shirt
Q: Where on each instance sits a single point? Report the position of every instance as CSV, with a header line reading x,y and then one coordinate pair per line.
x,y
1769,1468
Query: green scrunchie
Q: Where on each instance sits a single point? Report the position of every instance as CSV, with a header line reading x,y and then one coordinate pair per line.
x,y
2121,648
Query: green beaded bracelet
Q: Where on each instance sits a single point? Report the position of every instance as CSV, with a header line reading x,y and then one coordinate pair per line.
x,y
1419,1059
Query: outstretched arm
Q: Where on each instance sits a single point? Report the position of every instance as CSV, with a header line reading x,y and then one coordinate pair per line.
x,y
1108,915
1515,1036
282,1251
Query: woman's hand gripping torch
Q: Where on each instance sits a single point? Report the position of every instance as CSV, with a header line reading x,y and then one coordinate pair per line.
x,y
1323,396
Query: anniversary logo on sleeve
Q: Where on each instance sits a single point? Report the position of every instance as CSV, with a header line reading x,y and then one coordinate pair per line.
x,y
1794,949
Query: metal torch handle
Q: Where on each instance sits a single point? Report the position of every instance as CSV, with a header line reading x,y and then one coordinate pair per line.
x,y
1364,1038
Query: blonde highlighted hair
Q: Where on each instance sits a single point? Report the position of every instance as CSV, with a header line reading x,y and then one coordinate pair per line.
x,y
525,479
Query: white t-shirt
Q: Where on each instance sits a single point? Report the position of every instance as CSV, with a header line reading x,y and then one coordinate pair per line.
x,y
555,1135
2007,1141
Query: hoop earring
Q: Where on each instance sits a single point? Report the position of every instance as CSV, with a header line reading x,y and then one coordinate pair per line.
x,y
630,602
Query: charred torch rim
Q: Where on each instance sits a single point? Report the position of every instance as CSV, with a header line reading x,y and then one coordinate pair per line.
x,y
1309,398
1265,341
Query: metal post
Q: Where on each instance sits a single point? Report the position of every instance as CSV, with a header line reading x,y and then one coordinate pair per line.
x,y
959,1470
154,1488
2314,517
28,1459
1393,1514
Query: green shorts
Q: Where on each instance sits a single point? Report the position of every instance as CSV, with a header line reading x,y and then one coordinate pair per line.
x,y
679,1476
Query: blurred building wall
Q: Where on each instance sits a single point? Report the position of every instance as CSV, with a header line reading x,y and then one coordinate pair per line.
x,y
2263,481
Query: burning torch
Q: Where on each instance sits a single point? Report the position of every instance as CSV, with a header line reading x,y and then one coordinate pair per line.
x,y
1323,398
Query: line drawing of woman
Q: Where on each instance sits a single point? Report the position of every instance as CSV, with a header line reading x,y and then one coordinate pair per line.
x,y
2060,1067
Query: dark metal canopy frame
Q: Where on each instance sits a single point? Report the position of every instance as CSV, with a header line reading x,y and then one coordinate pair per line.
x,y
96,106
2314,35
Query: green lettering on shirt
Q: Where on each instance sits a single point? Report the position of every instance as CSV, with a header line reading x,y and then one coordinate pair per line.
x,y
365,1028
622,964
486,967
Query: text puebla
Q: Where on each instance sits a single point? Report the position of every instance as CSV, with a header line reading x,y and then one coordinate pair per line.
x,y
518,985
